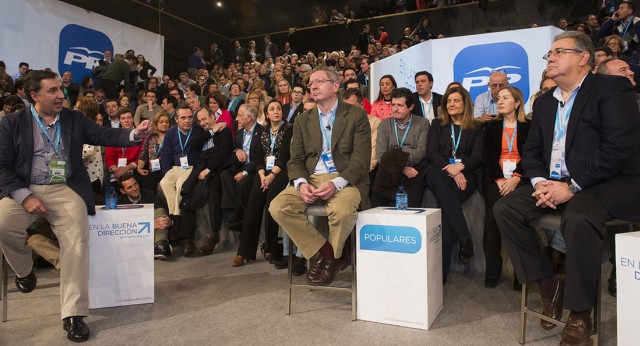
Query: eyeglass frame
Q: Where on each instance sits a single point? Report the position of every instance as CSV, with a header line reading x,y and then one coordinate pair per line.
x,y
561,51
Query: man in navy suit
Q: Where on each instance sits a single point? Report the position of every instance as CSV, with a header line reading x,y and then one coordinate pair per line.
x,y
582,157
42,174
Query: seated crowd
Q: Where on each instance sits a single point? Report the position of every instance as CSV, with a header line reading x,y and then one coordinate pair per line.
x,y
242,139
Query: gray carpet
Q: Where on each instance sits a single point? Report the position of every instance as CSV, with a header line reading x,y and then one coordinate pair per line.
x,y
204,301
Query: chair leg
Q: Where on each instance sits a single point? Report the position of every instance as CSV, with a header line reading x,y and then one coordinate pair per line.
x,y
5,284
353,277
523,315
289,278
596,316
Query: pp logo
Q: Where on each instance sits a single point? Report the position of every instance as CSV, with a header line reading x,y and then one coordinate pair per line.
x,y
80,50
474,64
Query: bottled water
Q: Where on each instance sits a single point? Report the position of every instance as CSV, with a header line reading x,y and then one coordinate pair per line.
x,y
402,201
111,198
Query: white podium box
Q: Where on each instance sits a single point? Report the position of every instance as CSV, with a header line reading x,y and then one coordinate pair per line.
x,y
121,256
399,262
628,277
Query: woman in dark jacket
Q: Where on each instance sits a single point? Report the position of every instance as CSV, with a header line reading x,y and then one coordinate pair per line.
x,y
145,70
503,141
454,150
271,163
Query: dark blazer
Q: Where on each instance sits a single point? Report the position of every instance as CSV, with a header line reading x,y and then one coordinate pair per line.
x,y
286,108
493,134
602,146
350,146
417,108
282,147
439,147
212,158
146,70
249,167
16,146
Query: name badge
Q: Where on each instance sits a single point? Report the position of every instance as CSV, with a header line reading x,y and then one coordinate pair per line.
x,y
155,165
57,170
555,165
184,162
453,161
122,162
271,162
508,166
327,158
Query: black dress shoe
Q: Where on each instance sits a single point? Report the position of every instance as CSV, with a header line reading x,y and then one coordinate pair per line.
x,y
188,247
299,266
76,330
466,251
552,292
283,263
490,283
27,283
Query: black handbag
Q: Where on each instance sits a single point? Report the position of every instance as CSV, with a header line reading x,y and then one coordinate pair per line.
x,y
197,197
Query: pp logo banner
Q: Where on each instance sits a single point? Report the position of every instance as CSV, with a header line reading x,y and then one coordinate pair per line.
x,y
473,65
80,50
400,239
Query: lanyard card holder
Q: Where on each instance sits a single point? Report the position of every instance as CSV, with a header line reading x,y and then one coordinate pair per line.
x,y
58,169
327,159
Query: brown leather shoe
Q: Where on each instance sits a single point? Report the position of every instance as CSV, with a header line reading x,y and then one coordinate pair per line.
x,y
327,271
238,261
209,245
552,292
577,331
314,267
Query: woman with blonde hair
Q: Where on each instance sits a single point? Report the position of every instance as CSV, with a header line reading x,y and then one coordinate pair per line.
x,y
283,92
148,169
504,139
454,150
255,98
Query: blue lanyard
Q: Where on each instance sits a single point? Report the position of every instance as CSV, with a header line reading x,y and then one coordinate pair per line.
x,y
625,28
454,142
123,150
55,144
511,139
426,113
157,148
182,145
395,128
273,138
561,124
326,135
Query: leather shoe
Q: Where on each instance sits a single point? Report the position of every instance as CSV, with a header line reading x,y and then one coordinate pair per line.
x,y
299,266
552,292
238,261
314,266
577,331
188,247
327,271
76,330
27,283
209,245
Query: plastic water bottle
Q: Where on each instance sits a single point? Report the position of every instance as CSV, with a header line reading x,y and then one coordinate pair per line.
x,y
402,200
111,199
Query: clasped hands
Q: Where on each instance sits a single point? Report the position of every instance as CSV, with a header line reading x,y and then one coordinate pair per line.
x,y
454,170
310,194
551,193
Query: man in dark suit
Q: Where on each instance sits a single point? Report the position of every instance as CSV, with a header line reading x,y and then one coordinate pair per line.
x,y
270,48
582,162
237,180
329,164
292,110
239,53
364,39
426,101
215,56
111,114
41,173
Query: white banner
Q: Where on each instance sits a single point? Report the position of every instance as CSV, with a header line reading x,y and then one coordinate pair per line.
x,y
53,34
470,60
121,256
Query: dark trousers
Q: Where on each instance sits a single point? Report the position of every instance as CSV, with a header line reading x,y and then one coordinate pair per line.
x,y
215,206
258,201
414,188
450,199
187,226
237,192
582,219
110,89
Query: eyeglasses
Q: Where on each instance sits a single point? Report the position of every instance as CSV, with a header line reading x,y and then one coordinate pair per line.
x,y
297,92
558,52
498,85
319,82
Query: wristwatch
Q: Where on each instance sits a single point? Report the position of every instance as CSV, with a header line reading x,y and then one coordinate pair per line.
x,y
573,188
